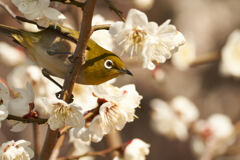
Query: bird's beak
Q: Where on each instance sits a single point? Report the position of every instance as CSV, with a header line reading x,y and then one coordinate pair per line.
x,y
126,71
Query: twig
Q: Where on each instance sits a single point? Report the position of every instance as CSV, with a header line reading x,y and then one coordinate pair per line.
x,y
78,56
100,27
113,140
209,58
85,32
14,16
49,143
29,120
97,153
117,11
72,2
57,147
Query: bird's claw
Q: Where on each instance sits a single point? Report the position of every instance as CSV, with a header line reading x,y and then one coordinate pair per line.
x,y
58,95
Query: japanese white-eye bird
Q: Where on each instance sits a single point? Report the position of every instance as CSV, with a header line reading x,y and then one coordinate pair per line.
x,y
52,51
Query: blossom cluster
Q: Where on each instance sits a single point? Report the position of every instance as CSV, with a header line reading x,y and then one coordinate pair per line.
x,y
178,118
39,11
146,40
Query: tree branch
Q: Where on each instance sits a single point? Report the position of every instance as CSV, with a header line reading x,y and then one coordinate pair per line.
x,y
29,120
101,153
113,140
70,79
100,27
78,56
117,11
208,58
36,139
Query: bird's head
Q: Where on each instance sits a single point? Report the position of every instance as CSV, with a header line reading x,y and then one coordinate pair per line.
x,y
101,65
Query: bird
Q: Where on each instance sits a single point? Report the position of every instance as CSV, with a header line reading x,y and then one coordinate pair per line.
x,y
53,51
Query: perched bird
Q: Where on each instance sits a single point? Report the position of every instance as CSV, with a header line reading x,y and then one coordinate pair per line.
x,y
53,50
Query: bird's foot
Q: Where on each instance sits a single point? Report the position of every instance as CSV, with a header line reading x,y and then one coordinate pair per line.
x,y
58,95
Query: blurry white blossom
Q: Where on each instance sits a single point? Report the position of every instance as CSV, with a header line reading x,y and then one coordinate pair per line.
x,y
80,147
63,114
17,126
146,40
10,55
174,119
40,11
97,36
144,4
159,74
32,74
116,108
136,149
185,56
4,99
217,130
230,62
21,102
3,112
18,150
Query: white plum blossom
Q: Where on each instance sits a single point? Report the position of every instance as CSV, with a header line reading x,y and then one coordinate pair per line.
x,y
185,56
174,119
40,11
63,114
136,149
146,40
10,56
217,132
97,36
80,147
230,61
116,108
12,150
4,99
83,97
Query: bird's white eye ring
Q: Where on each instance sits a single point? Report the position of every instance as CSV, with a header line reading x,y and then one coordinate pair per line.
x,y
108,64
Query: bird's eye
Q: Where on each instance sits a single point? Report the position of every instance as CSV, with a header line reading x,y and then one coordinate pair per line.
x,y
108,64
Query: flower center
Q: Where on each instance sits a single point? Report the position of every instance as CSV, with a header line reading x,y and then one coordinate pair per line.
x,y
138,36
61,109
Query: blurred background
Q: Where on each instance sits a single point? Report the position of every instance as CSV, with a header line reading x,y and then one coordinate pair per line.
x,y
206,22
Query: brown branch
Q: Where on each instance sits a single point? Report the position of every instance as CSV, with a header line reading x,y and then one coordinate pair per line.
x,y
72,2
113,140
117,11
14,16
85,33
101,153
36,139
49,143
29,120
58,146
209,58
78,56
100,27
